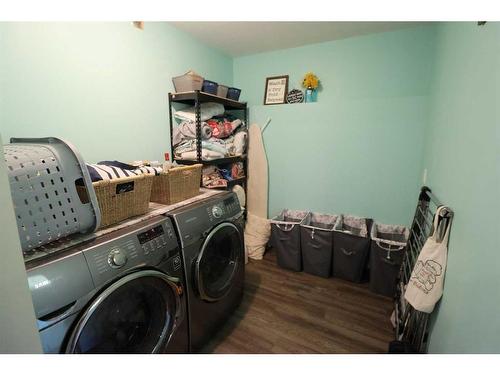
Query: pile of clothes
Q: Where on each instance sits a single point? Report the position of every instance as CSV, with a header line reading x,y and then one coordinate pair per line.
x,y
110,170
217,177
222,135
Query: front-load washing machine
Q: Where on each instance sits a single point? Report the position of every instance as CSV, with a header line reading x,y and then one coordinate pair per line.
x,y
119,293
211,237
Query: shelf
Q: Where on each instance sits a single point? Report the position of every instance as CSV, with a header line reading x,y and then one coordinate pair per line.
x,y
203,97
231,159
231,183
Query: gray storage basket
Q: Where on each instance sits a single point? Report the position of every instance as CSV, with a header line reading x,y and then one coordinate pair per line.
x,y
388,247
42,175
351,245
316,236
285,238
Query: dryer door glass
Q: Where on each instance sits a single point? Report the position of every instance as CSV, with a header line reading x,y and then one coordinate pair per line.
x,y
219,259
136,314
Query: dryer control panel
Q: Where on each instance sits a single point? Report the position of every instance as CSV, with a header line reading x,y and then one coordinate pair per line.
x,y
146,244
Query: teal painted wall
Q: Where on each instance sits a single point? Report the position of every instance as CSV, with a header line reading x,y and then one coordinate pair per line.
x,y
359,149
103,86
463,161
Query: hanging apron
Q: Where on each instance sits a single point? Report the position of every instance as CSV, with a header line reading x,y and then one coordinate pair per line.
x,y
425,286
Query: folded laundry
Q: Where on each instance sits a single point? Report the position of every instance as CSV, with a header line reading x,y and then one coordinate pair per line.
x,y
187,130
207,111
240,142
205,155
190,145
237,170
226,173
212,178
223,128
110,170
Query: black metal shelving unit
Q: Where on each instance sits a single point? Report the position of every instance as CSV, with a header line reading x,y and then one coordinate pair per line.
x,y
195,98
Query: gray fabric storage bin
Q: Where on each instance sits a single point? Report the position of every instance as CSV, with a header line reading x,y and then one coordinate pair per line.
x,y
222,91
388,245
316,237
351,246
285,238
188,82
366,272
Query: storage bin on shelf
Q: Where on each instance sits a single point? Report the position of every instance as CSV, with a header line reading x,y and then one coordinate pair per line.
x,y
285,238
351,246
121,198
222,91
178,184
188,82
388,246
42,174
233,93
210,87
316,236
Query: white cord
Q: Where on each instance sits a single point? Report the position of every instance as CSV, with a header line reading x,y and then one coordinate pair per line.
x,y
265,125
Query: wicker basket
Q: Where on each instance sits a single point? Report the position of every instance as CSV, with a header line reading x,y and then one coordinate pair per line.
x,y
177,184
121,198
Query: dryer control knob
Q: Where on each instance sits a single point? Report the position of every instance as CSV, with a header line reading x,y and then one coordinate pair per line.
x,y
217,212
117,258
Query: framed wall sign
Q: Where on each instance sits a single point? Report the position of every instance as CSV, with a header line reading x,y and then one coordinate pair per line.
x,y
276,90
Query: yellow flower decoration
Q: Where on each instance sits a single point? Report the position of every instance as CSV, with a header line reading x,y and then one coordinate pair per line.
x,y
310,81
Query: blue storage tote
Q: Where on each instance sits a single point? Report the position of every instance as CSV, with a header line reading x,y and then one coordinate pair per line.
x,y
233,93
210,87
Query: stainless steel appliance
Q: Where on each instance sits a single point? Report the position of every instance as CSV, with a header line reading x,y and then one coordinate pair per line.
x,y
122,292
211,238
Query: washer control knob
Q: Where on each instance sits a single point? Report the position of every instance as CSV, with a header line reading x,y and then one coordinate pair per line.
x,y
217,212
117,258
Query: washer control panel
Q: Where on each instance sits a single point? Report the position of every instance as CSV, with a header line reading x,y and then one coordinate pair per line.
x,y
117,258
147,244
154,239
232,205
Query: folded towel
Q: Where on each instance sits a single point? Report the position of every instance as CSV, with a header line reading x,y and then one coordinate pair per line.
x,y
186,146
240,142
205,155
207,110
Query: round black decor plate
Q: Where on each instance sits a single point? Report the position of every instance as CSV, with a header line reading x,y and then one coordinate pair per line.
x,y
295,96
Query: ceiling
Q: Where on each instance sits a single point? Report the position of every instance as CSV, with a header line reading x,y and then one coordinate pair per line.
x,y
246,38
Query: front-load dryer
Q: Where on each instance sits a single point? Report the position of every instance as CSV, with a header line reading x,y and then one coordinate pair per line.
x,y
119,293
211,237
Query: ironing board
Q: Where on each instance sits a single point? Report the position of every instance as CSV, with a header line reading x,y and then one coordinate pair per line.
x,y
257,174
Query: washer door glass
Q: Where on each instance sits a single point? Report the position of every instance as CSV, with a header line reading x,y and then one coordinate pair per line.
x,y
218,261
134,315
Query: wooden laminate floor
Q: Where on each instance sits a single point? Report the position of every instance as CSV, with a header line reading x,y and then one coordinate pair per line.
x,y
294,312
